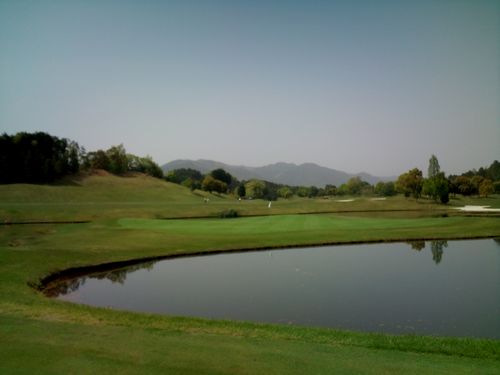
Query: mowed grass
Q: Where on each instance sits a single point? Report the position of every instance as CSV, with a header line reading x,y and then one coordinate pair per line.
x,y
40,335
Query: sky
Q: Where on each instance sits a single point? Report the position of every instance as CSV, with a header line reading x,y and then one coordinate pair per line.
x,y
373,86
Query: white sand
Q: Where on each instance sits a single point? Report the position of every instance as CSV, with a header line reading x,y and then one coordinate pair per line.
x,y
345,200
477,209
378,199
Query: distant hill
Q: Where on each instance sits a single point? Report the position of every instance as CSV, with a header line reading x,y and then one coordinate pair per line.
x,y
307,174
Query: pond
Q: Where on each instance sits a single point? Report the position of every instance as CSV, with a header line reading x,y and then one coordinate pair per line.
x,y
433,288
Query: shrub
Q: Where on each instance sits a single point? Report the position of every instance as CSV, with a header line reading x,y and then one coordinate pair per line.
x,y
227,214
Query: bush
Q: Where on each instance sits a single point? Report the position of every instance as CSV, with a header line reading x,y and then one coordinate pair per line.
x,y
228,214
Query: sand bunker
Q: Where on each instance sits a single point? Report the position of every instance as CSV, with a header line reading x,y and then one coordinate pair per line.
x,y
477,209
345,200
378,199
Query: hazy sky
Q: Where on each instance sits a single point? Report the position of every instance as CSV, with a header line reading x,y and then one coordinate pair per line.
x,y
374,86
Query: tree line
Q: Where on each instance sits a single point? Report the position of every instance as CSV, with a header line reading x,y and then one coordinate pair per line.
x,y
439,187
42,158
411,184
220,181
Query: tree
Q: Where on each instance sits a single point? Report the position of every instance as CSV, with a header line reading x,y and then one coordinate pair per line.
x,y
493,172
343,190
496,187
241,191
98,160
75,156
442,188
211,184
330,190
303,191
476,182
178,176
486,188
437,188
285,192
144,165
464,185
118,162
37,157
385,189
410,183
255,188
221,175
433,169
354,186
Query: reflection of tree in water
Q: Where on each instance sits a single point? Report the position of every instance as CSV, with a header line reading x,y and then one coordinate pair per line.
x,y
65,287
497,240
416,245
120,275
437,250
116,276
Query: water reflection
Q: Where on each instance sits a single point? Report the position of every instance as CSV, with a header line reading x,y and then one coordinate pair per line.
x,y
436,248
115,276
416,245
119,276
377,287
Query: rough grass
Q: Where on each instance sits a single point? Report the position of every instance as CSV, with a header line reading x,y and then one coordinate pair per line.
x,y
39,335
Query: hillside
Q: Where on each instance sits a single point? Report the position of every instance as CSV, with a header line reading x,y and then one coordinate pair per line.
x,y
96,195
307,174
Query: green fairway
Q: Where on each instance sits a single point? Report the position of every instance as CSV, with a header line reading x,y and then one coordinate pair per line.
x,y
48,336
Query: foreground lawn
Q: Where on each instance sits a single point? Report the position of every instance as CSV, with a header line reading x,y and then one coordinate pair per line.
x,y
39,335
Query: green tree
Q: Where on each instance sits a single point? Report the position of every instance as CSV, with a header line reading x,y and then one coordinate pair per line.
x,y
486,188
144,165
303,191
98,160
285,192
118,162
212,185
493,172
496,187
179,175
241,191
354,186
343,190
330,190
437,188
221,175
464,185
313,192
385,189
255,188
433,169
410,183
476,183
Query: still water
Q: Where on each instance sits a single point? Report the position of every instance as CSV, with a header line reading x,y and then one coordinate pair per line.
x,y
435,288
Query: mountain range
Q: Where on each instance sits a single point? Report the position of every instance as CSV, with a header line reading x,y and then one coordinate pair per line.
x,y
307,174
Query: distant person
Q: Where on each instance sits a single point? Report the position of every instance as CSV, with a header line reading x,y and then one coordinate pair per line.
x,y
269,205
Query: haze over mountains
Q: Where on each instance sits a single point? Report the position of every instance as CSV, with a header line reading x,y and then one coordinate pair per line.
x,y
307,174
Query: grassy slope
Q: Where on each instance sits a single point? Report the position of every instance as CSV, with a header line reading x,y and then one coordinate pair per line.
x,y
86,338
98,197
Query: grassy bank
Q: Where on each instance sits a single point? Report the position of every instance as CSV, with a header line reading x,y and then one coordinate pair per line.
x,y
47,336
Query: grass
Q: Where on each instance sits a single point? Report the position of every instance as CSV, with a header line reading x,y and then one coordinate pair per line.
x,y
48,336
